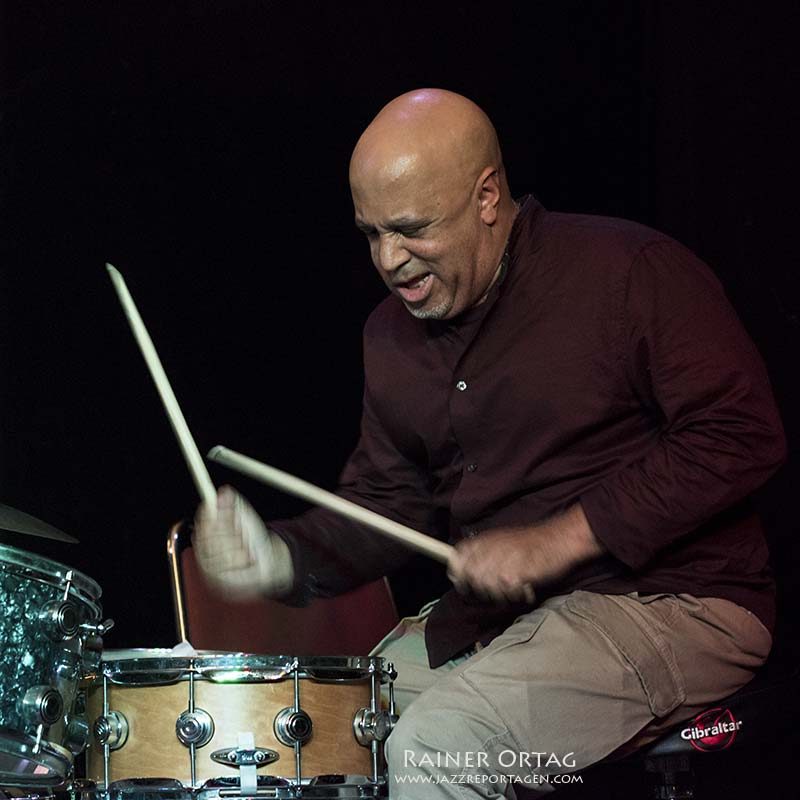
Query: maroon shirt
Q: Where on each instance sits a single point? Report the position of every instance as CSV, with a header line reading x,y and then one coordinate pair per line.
x,y
606,367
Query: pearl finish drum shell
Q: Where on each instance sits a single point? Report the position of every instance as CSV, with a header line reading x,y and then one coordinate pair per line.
x,y
30,658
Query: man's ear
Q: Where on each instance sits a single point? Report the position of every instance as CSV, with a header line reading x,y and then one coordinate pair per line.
x,y
489,194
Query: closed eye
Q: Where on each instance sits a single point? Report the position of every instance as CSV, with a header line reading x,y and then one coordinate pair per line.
x,y
367,230
411,232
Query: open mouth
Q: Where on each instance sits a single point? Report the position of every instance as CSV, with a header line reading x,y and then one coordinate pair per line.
x,y
416,289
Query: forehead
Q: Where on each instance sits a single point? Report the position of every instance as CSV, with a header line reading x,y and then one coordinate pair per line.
x,y
399,187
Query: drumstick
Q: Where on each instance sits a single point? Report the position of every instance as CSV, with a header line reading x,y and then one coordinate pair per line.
x,y
313,494
202,480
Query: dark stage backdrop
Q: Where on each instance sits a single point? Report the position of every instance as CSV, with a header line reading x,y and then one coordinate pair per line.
x,y
202,148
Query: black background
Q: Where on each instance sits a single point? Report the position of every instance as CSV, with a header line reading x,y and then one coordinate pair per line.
x,y
202,148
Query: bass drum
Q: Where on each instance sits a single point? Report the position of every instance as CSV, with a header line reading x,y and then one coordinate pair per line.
x,y
214,721
49,639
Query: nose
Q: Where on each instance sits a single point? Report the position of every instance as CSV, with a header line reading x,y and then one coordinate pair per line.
x,y
392,254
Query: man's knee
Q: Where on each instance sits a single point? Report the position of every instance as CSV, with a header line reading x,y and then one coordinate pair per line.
x,y
445,723
417,734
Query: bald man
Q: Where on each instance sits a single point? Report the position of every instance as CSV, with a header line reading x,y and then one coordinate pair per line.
x,y
571,401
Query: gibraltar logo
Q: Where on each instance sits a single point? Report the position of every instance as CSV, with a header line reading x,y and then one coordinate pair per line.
x,y
714,729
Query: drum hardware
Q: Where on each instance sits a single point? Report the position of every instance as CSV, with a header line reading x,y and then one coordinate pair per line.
x,y
192,745
59,619
239,756
292,727
298,743
97,629
77,735
111,730
321,787
106,745
370,725
194,727
42,705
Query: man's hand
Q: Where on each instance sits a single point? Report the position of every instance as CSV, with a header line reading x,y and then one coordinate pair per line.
x,y
508,564
236,552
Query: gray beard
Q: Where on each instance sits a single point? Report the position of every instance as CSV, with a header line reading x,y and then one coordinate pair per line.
x,y
435,312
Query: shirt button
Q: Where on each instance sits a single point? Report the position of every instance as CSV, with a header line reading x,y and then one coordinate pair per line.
x,y
472,467
461,386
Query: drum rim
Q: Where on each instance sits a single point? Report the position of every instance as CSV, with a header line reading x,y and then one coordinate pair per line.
x,y
50,755
49,571
363,788
165,667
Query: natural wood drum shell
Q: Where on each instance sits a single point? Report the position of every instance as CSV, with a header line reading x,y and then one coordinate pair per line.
x,y
154,751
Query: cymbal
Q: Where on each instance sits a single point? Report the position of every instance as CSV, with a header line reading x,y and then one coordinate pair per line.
x,y
16,521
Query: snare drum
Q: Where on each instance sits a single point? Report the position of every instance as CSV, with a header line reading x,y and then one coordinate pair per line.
x,y
245,722
48,641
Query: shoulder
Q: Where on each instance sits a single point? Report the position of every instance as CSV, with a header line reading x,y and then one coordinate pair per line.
x,y
615,251
605,237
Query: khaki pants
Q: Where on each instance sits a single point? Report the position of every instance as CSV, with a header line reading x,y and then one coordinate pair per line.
x,y
581,677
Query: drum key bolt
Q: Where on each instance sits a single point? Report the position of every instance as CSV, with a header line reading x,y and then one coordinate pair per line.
x,y
97,629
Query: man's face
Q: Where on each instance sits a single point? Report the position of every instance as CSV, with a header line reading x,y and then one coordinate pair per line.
x,y
426,237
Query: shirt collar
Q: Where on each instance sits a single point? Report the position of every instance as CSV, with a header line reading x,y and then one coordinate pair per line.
x,y
524,234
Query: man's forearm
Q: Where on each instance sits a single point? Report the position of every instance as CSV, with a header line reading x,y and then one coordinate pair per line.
x,y
505,562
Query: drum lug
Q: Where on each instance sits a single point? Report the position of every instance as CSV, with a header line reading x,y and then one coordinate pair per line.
x,y
42,705
240,757
77,735
372,726
194,727
111,729
59,619
292,727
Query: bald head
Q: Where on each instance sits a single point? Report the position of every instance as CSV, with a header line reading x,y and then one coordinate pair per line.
x,y
429,133
430,192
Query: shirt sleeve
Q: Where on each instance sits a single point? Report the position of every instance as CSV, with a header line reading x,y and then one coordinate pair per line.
x,y
331,554
693,367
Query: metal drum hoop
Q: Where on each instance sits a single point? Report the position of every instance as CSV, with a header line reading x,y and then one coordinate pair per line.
x,y
52,573
158,667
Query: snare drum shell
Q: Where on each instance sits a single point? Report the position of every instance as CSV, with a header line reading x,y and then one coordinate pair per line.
x,y
152,749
